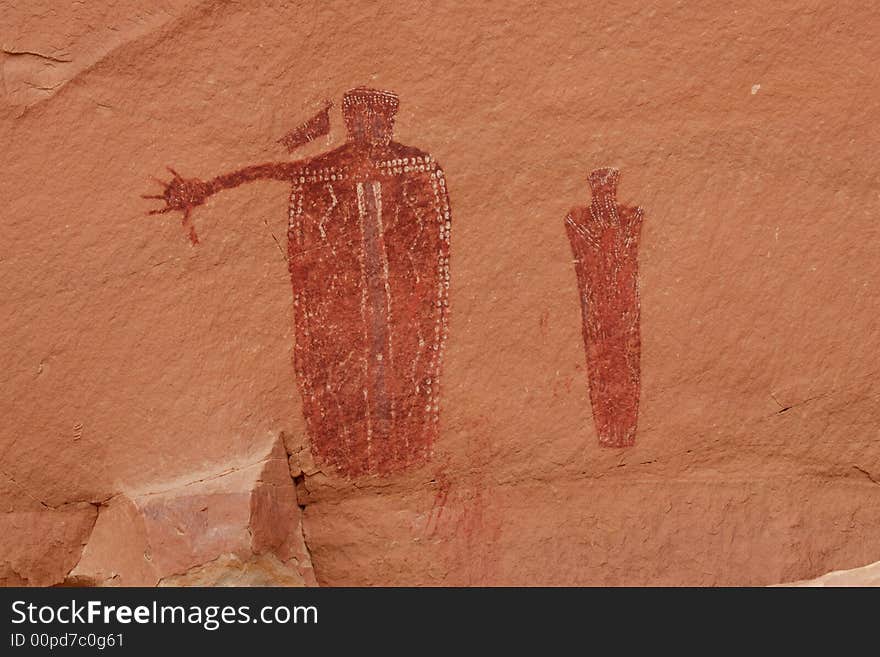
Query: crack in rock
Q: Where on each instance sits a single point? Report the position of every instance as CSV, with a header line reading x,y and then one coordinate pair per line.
x,y
33,53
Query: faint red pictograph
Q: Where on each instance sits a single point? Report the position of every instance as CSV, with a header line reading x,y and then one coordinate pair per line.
x,y
368,253
604,238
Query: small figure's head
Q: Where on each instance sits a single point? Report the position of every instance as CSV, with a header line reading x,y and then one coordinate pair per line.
x,y
369,115
603,182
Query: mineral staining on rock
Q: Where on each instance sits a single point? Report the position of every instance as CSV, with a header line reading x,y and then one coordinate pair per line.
x,y
604,238
368,252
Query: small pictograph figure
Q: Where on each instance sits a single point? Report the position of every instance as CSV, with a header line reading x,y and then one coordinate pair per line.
x,y
604,238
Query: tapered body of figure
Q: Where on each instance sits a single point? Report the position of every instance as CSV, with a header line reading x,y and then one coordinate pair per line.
x,y
604,239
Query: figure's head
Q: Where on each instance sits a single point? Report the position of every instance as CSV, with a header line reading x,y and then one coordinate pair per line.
x,y
369,115
603,182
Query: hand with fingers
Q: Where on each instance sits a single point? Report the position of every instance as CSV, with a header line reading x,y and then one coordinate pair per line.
x,y
183,195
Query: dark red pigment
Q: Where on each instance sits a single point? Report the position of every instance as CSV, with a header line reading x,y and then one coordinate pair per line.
x,y
317,126
605,241
368,252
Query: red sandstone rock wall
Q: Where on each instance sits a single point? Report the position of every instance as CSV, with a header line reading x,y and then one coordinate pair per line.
x,y
147,382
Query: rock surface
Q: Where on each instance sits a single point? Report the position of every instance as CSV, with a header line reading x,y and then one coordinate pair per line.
x,y
145,380
864,576
40,545
239,526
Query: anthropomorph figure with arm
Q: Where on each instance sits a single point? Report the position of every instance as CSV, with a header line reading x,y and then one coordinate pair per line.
x,y
368,253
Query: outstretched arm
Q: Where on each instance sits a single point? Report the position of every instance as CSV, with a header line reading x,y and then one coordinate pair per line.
x,y
269,171
185,194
